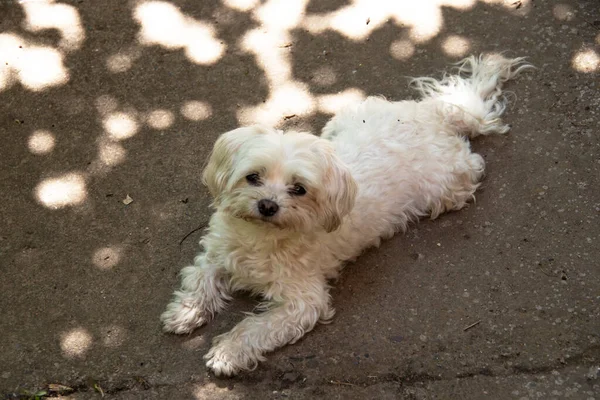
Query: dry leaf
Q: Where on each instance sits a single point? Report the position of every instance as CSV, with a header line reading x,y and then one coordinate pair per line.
x,y
128,200
60,389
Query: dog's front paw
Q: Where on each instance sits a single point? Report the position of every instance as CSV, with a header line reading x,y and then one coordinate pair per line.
x,y
227,358
183,317
222,365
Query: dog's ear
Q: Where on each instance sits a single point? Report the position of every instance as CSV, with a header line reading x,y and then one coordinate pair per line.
x,y
340,189
222,160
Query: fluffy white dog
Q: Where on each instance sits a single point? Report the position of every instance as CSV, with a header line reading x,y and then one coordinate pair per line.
x,y
291,207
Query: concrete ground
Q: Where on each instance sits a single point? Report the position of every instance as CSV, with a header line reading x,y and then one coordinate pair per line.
x,y
109,109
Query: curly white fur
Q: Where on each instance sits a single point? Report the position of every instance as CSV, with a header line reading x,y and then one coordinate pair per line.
x,y
377,166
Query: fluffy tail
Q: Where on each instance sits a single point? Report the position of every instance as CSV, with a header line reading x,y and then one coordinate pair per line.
x,y
472,100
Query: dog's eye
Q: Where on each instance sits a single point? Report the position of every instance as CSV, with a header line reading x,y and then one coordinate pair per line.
x,y
298,190
253,179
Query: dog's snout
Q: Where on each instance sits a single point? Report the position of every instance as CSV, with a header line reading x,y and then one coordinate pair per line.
x,y
268,208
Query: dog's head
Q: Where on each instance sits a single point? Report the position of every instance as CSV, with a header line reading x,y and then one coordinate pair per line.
x,y
291,181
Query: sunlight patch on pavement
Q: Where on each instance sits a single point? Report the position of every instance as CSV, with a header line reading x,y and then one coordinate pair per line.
x,y
361,18
46,14
119,63
111,153
324,76
106,104
278,15
240,5
271,55
36,67
41,142
456,46
402,49
202,47
75,342
66,190
210,390
160,119
563,12
165,25
106,258
286,101
123,60
41,67
515,6
332,103
270,45
120,125
195,110
586,61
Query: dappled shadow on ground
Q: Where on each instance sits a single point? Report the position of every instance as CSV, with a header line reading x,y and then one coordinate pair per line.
x,y
109,110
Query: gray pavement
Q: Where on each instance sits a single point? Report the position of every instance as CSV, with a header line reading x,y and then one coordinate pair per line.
x,y
103,102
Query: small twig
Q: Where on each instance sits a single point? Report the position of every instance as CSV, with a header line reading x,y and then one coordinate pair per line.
x,y
472,325
343,383
195,230
286,117
99,389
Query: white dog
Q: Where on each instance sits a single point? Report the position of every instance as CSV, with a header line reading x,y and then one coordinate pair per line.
x,y
291,207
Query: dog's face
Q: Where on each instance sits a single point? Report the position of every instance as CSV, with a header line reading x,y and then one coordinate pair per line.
x,y
291,181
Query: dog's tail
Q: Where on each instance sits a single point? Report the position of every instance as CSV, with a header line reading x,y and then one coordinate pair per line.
x,y
472,100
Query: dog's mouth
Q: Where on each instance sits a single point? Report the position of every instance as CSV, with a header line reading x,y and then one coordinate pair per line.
x,y
255,219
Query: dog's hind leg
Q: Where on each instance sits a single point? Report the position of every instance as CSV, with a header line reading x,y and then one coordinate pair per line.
x,y
460,189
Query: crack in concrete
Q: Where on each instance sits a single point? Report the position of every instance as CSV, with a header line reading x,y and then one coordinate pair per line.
x,y
408,378
586,358
91,385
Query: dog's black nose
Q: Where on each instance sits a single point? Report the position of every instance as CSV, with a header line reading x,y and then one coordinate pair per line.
x,y
267,208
